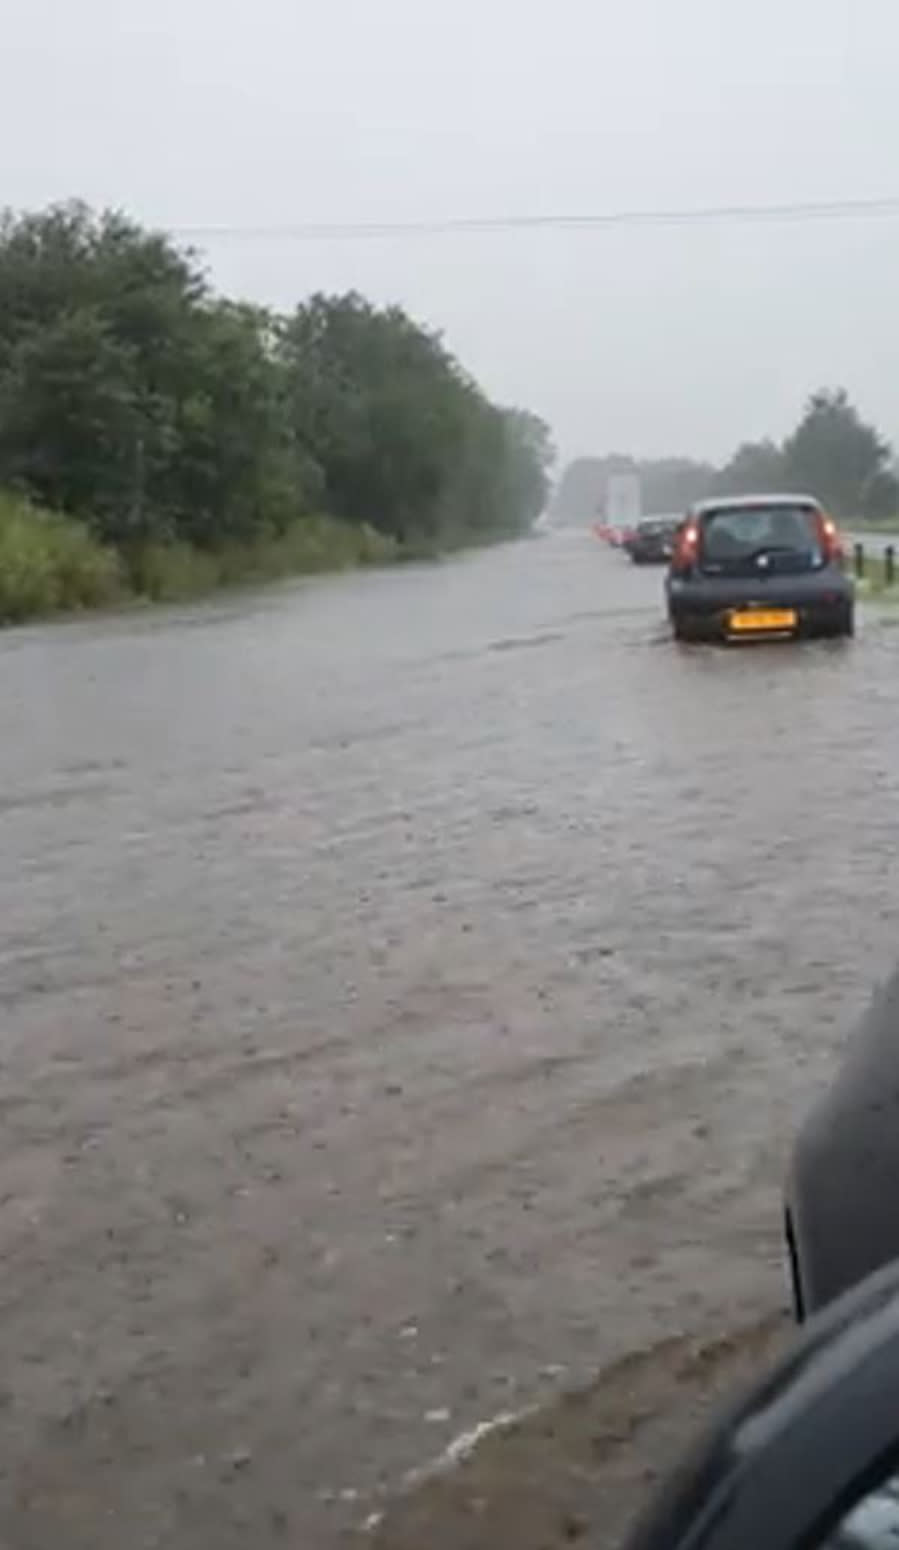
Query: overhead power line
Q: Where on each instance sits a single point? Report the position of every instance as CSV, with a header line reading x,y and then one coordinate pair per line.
x,y
718,215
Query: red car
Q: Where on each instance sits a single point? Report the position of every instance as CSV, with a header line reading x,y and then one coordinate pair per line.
x,y
618,537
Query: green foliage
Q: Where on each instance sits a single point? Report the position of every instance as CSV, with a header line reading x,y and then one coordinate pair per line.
x,y
756,467
832,454
836,455
195,434
403,438
879,499
169,572
49,563
668,484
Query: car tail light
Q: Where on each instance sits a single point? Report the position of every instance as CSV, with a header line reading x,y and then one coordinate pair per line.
x,y
686,546
829,538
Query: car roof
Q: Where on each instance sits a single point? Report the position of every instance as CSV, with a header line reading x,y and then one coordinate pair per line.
x,y
746,502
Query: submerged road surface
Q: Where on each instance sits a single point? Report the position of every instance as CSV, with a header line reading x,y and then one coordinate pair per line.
x,y
409,984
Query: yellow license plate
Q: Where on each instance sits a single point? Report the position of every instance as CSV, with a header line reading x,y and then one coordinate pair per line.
x,y
755,621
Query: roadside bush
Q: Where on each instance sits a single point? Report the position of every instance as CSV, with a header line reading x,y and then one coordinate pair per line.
x,y
170,572
51,563
324,543
167,572
136,400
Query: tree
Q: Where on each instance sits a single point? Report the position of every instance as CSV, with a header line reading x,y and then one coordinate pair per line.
x,y
134,398
372,397
832,453
879,500
94,318
236,468
671,484
69,416
835,455
528,457
131,397
756,467
404,439
668,484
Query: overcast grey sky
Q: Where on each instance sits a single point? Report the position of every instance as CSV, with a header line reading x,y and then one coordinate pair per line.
x,y
192,112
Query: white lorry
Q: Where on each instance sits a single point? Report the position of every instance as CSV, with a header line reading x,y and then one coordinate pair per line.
x,y
623,508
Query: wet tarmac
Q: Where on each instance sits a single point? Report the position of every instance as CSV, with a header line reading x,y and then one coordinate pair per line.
x,y
409,984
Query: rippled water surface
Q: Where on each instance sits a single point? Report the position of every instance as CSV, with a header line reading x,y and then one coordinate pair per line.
x,y
409,984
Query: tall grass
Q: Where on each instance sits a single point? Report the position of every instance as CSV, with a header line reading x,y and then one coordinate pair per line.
x,y
874,525
874,582
49,563
168,572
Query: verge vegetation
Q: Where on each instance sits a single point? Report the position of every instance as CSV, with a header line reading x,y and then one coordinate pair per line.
x,y
158,439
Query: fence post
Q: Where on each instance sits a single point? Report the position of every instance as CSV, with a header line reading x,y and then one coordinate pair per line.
x,y
859,555
889,565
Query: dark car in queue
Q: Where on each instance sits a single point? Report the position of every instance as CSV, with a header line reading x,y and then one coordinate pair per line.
x,y
652,541
842,1193
755,566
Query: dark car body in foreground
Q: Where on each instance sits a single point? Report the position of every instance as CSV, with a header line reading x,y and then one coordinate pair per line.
x,y
808,1459
652,541
842,1195
758,565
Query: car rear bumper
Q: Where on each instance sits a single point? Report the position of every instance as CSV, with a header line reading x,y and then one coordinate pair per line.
x,y
819,601
651,554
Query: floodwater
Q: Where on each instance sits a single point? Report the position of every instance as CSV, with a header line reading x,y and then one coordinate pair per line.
x,y
409,983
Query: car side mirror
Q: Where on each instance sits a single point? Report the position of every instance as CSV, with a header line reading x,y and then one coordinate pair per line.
x,y
809,1459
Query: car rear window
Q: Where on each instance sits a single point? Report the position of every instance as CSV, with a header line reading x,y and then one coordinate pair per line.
x,y
737,534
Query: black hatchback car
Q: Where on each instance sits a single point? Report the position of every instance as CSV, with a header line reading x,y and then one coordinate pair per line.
x,y
652,541
752,566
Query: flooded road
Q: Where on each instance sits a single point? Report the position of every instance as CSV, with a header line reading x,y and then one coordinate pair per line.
x,y
409,986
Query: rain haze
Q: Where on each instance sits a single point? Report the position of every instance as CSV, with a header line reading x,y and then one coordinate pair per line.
x,y
650,340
